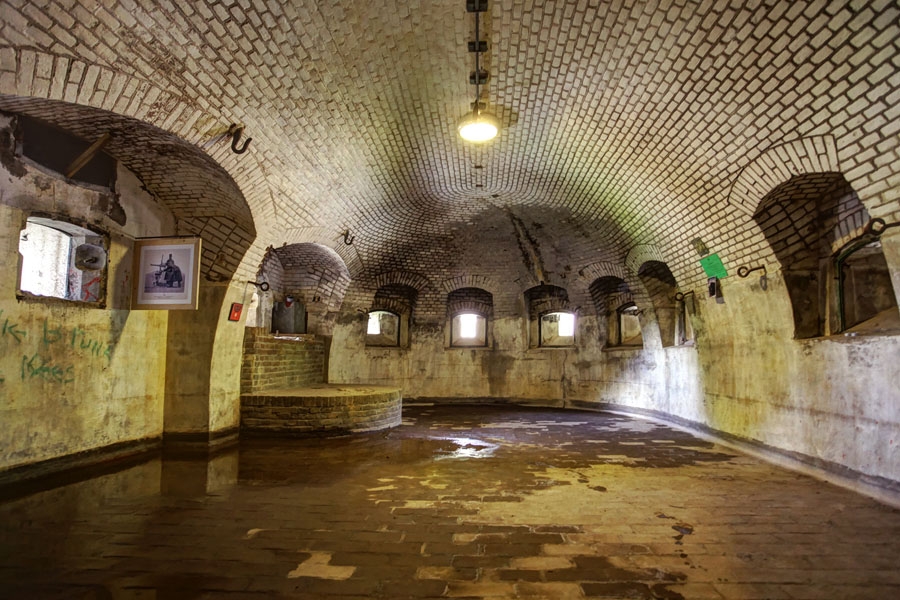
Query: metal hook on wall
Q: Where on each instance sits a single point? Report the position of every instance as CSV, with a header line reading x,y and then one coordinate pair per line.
x,y
236,132
745,271
763,280
262,285
347,239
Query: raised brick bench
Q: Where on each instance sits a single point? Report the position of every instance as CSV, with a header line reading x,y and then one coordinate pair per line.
x,y
322,408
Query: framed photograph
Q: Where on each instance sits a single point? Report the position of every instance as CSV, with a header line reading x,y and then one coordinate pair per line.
x,y
166,273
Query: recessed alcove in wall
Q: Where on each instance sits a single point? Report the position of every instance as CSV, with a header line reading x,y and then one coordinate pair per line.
x,y
469,312
661,288
393,303
810,221
546,303
616,312
201,195
307,283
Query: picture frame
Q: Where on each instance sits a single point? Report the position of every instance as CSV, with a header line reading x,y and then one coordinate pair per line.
x,y
166,273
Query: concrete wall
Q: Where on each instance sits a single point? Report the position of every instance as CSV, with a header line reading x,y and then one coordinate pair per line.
x,y
833,399
75,377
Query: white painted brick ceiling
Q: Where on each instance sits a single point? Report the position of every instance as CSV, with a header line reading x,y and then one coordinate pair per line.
x,y
624,122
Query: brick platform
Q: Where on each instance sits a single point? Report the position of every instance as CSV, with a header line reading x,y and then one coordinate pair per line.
x,y
322,407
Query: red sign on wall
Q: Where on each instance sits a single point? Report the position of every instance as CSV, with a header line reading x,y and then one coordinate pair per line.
x,y
235,314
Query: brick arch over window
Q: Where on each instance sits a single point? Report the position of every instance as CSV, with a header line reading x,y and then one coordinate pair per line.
x,y
545,298
777,165
609,292
806,220
202,196
471,300
640,254
314,272
397,298
483,282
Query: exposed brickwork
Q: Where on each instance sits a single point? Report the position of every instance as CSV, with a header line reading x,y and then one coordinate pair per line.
x,y
272,272
608,293
809,218
272,363
395,297
469,299
618,120
659,283
546,298
315,273
348,408
202,196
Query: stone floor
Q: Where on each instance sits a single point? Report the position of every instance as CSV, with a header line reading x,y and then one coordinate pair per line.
x,y
459,502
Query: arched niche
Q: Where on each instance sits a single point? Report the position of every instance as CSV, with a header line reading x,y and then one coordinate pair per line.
x,y
616,312
661,288
815,224
551,320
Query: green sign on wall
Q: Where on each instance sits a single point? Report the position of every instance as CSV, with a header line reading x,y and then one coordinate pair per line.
x,y
713,267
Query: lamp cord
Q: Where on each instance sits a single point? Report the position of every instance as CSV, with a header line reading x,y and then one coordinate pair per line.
x,y
477,108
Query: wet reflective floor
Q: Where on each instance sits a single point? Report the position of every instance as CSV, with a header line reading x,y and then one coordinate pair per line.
x,y
459,502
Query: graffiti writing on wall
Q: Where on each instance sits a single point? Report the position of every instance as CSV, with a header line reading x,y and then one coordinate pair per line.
x,y
52,340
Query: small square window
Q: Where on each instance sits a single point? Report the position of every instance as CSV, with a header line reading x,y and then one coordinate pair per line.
x,y
557,329
628,326
383,328
468,330
62,260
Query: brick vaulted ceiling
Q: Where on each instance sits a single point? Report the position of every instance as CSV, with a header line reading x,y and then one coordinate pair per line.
x,y
624,122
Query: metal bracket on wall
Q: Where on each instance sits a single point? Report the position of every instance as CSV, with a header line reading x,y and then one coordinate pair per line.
x,y
681,297
236,131
763,280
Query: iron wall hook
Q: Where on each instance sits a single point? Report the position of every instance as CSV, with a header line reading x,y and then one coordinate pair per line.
x,y
236,132
262,285
744,271
347,239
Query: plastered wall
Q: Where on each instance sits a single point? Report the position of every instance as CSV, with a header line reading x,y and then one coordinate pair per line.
x,y
75,377
833,399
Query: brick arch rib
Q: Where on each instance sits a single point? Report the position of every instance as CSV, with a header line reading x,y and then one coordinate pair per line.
x,y
778,164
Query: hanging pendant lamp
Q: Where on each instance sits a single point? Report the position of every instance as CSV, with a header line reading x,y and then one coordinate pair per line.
x,y
478,126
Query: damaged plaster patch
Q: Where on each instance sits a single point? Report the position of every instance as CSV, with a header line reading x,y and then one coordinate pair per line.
x,y
252,533
109,204
8,155
317,566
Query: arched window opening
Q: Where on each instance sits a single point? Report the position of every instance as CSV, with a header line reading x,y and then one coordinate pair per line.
x,y
628,326
383,328
468,330
393,307
661,288
469,311
616,310
811,221
863,281
557,329
62,260
550,317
